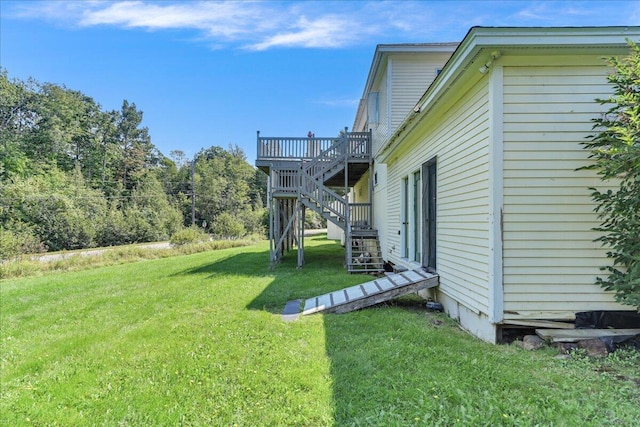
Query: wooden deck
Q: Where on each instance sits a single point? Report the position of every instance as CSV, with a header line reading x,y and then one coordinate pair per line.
x,y
370,293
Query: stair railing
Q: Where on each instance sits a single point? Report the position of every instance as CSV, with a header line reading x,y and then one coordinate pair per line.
x,y
327,159
312,176
322,198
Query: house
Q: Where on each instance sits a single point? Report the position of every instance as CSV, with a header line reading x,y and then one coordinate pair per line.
x,y
472,172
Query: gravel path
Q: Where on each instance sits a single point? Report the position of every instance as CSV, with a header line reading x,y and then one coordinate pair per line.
x,y
93,252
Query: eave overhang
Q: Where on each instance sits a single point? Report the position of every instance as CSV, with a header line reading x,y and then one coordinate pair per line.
x,y
483,44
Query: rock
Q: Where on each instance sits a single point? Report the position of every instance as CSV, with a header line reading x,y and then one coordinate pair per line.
x,y
594,348
566,347
563,356
532,342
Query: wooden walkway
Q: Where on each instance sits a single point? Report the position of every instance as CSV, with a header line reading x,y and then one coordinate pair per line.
x,y
370,293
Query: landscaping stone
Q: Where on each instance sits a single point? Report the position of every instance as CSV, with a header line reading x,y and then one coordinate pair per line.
x,y
566,347
532,342
563,356
594,348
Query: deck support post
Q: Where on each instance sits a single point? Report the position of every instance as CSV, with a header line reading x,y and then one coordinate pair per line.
x,y
300,214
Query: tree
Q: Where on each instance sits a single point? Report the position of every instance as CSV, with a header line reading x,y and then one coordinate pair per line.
x,y
75,176
615,151
137,153
17,119
225,182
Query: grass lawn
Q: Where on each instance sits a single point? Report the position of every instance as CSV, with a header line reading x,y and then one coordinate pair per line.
x,y
198,340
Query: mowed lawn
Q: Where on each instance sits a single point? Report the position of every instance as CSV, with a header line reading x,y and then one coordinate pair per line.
x,y
199,340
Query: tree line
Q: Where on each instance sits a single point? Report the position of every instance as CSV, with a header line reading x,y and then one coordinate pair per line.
x,y
73,175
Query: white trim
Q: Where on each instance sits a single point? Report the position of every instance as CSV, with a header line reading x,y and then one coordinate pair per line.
x,y
389,84
476,49
496,196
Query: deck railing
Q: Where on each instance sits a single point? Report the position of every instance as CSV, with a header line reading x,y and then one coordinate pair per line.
x,y
360,215
289,148
285,181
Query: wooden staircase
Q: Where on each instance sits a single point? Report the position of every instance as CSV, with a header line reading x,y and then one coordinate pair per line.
x,y
363,251
308,179
362,243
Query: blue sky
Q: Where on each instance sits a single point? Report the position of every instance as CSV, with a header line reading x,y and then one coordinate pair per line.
x,y
211,73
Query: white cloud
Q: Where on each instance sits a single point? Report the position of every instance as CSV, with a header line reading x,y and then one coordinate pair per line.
x,y
576,13
216,19
260,25
339,102
252,25
329,31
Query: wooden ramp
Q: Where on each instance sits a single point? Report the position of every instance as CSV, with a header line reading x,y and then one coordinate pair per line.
x,y
370,293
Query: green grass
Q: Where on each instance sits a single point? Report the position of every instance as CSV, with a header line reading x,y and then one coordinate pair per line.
x,y
30,265
198,340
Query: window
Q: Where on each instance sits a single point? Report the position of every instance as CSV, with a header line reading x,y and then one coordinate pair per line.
x,y
416,220
372,108
411,217
405,218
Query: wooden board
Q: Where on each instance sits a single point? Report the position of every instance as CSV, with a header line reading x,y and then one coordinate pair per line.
x,y
572,335
370,293
533,323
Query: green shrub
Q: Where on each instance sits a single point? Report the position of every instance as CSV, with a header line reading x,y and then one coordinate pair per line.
x,y
252,221
615,152
188,236
18,239
226,226
313,220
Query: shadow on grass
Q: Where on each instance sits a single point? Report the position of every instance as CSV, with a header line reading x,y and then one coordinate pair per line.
x,y
360,375
359,372
324,259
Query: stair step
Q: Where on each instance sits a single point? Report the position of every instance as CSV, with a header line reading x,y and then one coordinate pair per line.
x,y
366,256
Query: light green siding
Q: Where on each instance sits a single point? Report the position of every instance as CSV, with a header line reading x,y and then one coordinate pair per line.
x,y
458,136
550,260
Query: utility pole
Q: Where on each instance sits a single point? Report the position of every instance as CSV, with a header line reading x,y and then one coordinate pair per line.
x,y
193,192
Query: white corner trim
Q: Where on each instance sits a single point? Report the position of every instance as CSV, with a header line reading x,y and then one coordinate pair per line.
x,y
496,194
388,96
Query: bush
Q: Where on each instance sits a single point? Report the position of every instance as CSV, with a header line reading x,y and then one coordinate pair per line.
x,y
313,220
252,221
188,236
615,151
226,226
18,239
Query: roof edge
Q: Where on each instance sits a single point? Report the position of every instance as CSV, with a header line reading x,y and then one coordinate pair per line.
x,y
478,39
